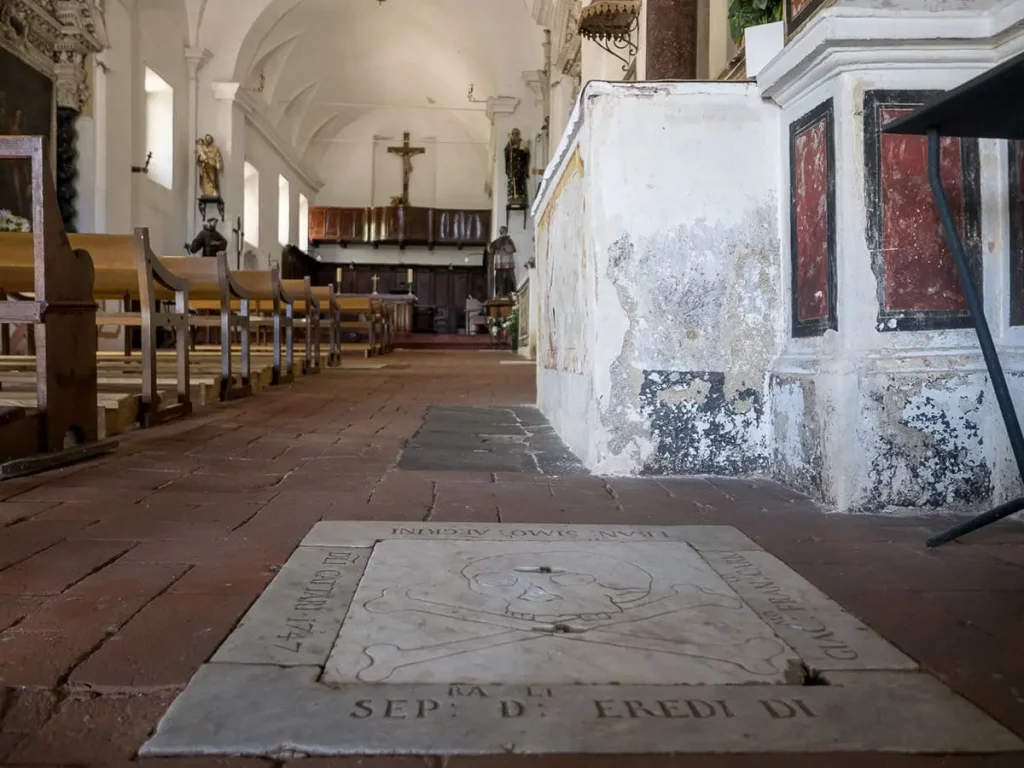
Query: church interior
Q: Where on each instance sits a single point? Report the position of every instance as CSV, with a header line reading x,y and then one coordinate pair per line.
x,y
520,383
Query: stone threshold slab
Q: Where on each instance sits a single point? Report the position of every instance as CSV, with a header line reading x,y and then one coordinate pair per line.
x,y
703,538
250,710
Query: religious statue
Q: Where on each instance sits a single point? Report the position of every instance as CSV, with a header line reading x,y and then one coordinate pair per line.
x,y
210,166
517,169
209,240
502,252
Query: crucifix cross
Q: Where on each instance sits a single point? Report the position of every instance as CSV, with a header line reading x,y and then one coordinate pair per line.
x,y
406,152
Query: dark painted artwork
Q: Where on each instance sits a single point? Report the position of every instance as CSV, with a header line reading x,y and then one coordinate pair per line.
x,y
1017,233
812,222
26,109
918,286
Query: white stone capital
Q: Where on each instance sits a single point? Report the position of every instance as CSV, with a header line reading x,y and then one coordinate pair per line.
x,y
196,57
226,91
534,79
501,105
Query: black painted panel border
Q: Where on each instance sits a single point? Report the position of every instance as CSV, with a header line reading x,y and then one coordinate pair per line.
x,y
818,326
1016,234
916,320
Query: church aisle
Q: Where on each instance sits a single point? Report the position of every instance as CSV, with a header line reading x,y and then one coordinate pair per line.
x,y
120,578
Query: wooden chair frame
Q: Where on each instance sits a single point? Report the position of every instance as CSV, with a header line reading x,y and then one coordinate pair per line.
x,y
214,282
303,303
64,426
328,299
265,285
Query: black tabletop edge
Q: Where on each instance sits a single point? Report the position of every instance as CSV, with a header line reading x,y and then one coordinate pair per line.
x,y
989,106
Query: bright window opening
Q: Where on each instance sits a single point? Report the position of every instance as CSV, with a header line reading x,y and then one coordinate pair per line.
x,y
303,223
284,224
160,129
251,206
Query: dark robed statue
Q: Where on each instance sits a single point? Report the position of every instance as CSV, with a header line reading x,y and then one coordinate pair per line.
x,y
517,169
209,240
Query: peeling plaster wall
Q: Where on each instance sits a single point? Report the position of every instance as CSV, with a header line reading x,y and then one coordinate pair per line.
x,y
565,313
682,269
870,418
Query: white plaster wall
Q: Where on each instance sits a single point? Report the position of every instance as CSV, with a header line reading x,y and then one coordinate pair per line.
x,y
160,45
671,300
271,166
565,315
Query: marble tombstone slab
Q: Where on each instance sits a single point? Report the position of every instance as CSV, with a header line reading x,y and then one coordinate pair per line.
x,y
381,638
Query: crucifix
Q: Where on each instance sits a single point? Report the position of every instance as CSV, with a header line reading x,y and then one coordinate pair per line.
x,y
375,280
406,152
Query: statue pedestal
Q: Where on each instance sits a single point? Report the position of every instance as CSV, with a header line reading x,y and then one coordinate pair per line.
x,y
205,200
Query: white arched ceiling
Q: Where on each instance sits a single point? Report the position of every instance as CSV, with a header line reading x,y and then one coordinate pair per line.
x,y
329,64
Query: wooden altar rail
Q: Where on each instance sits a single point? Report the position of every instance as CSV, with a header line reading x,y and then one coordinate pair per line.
x,y
399,225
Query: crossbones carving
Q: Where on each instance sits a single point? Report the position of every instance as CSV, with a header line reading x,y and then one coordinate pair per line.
x,y
594,613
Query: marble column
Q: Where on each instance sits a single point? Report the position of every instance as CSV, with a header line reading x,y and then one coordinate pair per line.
x,y
672,39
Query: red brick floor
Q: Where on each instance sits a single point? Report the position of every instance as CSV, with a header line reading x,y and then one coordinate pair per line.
x,y
120,577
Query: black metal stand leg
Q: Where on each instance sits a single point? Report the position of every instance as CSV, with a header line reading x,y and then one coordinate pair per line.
x,y
988,350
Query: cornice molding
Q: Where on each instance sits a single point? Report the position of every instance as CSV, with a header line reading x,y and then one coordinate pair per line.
x,y
844,39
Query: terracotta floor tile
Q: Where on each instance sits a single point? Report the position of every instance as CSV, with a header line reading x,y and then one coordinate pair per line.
x,y
95,729
55,569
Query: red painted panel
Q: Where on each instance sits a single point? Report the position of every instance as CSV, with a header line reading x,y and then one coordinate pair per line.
x,y
798,5
812,217
919,271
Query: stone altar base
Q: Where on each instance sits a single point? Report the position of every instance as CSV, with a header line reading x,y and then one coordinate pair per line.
x,y
441,639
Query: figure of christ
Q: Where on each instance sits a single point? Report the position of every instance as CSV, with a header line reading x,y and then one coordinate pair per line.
x,y
406,152
502,253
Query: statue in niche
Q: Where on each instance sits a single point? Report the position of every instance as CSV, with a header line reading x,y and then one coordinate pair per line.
x,y
209,241
517,169
502,252
211,164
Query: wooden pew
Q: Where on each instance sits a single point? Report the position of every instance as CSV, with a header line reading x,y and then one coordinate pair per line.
x,y
63,427
125,269
212,285
328,300
306,315
273,307
358,316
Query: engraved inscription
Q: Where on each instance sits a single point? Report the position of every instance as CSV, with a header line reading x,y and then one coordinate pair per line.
x,y
670,708
394,709
605,534
314,601
788,611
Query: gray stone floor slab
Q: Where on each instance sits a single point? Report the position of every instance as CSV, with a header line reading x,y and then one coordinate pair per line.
x,y
488,440
500,638
552,613
284,712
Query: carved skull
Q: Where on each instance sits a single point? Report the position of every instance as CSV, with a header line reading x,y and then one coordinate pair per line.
x,y
559,586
